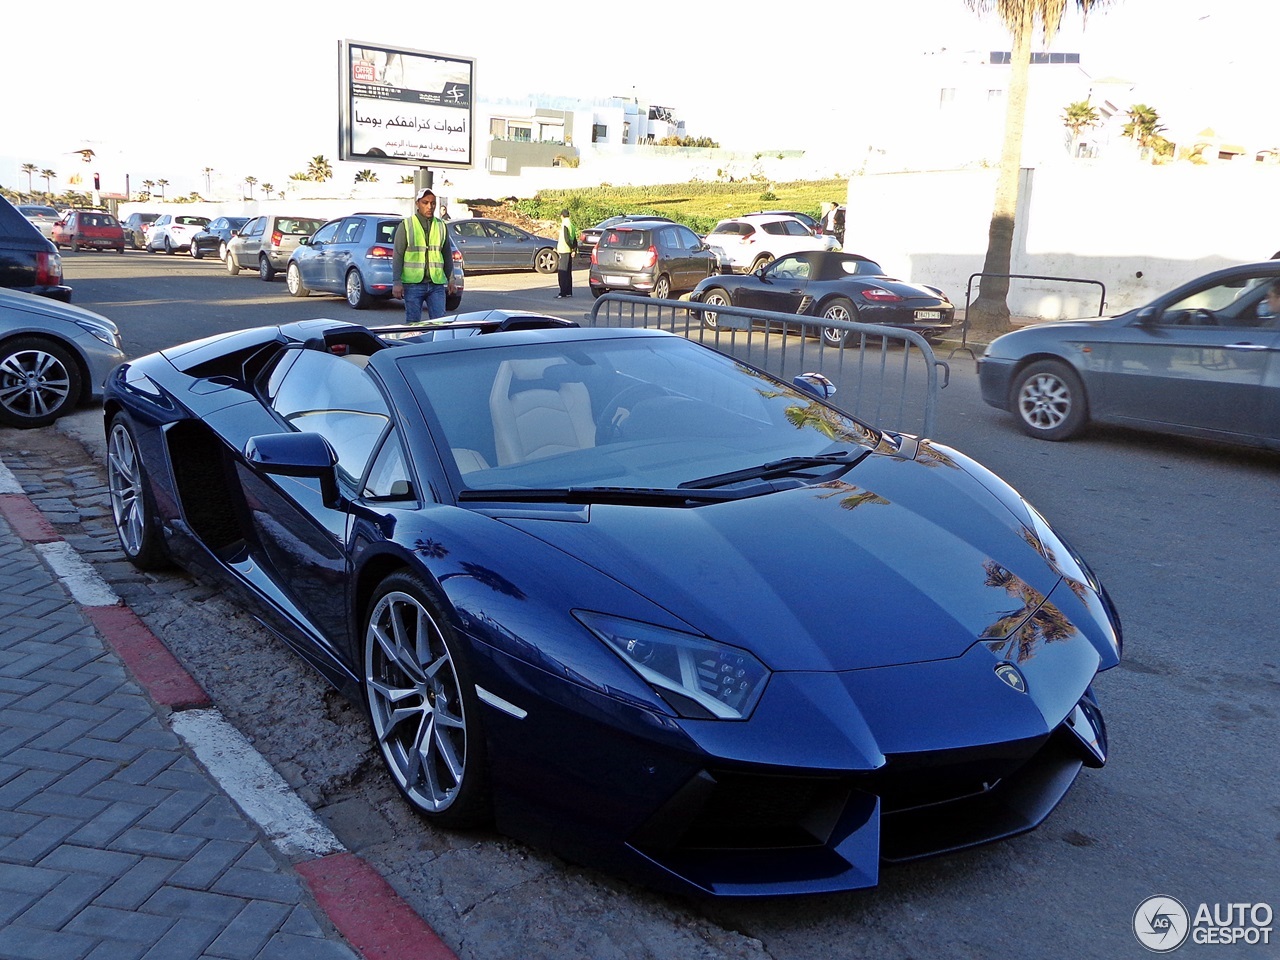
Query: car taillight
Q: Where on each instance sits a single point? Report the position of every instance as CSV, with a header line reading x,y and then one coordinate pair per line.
x,y
381,253
594,261
457,255
652,258
881,295
276,237
48,269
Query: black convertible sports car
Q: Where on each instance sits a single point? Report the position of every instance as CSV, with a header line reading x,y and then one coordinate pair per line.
x,y
581,579
833,286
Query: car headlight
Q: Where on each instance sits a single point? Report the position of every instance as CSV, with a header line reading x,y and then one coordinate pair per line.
x,y
698,678
1054,549
107,334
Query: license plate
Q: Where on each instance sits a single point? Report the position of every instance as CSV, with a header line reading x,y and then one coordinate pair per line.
x,y
617,281
928,314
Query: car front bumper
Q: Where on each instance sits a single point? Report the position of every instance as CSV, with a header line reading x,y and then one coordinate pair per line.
x,y
995,378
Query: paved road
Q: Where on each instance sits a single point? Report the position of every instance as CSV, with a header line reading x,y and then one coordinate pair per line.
x,y
1185,535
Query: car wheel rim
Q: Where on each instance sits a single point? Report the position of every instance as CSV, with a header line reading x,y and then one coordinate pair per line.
x,y
33,384
1045,402
711,318
222,252
124,480
415,702
355,289
662,289
291,278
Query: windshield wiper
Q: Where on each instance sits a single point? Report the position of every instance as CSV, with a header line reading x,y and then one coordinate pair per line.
x,y
639,496
777,468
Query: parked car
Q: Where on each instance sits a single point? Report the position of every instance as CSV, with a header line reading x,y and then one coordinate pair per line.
x,y
588,238
812,222
352,256
53,356
92,229
265,243
833,286
497,245
136,226
658,258
172,232
473,538
745,244
212,240
28,260
1202,360
42,217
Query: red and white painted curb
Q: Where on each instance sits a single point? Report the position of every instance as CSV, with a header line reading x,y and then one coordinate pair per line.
x,y
365,908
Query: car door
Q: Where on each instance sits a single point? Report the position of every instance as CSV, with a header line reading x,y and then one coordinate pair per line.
x,y
251,243
344,251
474,243
1206,361
781,286
511,247
700,262
314,259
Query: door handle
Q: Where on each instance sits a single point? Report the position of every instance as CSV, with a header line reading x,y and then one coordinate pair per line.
x,y
1245,345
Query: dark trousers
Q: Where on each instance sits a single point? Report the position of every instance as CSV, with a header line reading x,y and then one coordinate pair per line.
x,y
565,274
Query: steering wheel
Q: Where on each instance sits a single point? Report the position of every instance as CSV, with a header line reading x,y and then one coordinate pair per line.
x,y
609,424
1198,317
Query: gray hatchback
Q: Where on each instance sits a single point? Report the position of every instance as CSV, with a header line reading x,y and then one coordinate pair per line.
x,y
650,257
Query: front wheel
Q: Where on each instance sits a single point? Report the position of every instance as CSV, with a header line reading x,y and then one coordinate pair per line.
x,y
168,246
715,297
293,280
422,704
196,252
1049,401
39,382
546,260
837,309
132,508
265,270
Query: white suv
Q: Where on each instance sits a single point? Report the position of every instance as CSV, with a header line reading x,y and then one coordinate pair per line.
x,y
745,244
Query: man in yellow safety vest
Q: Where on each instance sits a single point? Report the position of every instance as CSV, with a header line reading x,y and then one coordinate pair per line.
x,y
423,261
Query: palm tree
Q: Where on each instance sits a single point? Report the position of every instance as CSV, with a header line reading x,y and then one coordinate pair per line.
x,y
147,185
268,189
319,169
162,184
48,176
29,169
250,181
990,312
1079,116
366,176
1145,129
208,172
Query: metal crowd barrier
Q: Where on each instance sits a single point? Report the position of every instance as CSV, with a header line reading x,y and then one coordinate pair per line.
x,y
884,376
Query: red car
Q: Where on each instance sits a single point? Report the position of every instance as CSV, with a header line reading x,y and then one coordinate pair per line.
x,y
94,229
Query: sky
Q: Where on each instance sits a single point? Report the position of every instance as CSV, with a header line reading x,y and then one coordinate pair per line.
x,y
159,91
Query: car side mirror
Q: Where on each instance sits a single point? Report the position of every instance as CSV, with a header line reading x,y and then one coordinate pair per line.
x,y
297,455
305,242
1147,316
815,383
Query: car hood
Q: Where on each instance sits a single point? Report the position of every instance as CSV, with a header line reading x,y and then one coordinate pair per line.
x,y
29,303
899,561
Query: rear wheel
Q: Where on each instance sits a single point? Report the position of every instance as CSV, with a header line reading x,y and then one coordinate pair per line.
x,y
39,382
761,262
715,297
357,295
422,704
293,280
1049,401
546,260
837,309
265,270
662,288
222,250
137,524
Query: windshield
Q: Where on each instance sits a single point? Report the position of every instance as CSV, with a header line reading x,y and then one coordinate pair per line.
x,y
649,413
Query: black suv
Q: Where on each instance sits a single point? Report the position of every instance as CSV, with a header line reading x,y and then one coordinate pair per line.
x,y
28,260
651,257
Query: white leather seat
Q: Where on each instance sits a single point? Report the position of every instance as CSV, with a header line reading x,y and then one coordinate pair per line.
x,y
532,421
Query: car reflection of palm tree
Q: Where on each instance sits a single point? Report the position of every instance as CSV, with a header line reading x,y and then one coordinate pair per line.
x,y
815,416
431,548
930,456
855,498
490,578
1081,590
1021,631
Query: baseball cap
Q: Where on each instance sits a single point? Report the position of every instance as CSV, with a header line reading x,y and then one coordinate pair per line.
x,y
426,191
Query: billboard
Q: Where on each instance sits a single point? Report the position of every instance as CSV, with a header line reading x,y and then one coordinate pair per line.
x,y
405,106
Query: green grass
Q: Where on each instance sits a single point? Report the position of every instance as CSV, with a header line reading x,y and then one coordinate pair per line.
x,y
698,204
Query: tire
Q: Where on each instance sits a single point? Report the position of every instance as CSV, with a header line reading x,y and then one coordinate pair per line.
x,y
760,262
715,297
546,260
598,292
357,295
233,268
196,252
293,280
422,704
265,270
39,382
661,288
168,246
222,250
132,507
1049,401
837,309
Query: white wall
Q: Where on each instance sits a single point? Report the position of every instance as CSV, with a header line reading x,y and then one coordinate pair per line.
x,y
1139,229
